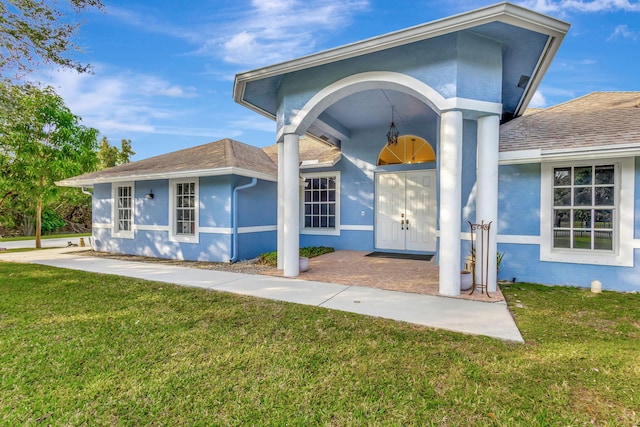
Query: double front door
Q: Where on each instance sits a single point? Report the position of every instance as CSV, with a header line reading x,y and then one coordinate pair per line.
x,y
406,211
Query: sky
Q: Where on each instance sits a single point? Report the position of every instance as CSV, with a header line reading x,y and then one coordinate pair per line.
x,y
164,69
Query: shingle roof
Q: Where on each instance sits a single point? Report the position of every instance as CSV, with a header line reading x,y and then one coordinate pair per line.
x,y
310,149
223,154
594,120
214,158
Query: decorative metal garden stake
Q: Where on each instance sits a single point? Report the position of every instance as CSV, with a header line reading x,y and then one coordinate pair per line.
x,y
484,269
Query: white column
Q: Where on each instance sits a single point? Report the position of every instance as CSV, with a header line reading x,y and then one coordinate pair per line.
x,y
291,205
450,204
280,205
487,196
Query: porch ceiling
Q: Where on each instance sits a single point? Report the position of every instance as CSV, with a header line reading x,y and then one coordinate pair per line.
x,y
372,108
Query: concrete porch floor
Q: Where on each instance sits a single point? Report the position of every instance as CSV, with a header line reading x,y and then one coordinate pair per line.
x,y
355,268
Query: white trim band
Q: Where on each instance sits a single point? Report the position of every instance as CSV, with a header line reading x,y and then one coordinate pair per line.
x,y
509,239
569,154
216,230
150,227
356,228
257,229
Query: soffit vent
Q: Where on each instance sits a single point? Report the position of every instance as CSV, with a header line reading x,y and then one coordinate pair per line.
x,y
523,82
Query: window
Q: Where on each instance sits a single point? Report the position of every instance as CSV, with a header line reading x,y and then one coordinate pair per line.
x,y
185,208
586,212
122,210
584,207
184,211
321,203
409,149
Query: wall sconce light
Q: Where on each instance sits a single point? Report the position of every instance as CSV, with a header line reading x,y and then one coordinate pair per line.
x,y
149,195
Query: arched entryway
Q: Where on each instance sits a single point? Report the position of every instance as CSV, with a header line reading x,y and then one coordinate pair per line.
x,y
347,110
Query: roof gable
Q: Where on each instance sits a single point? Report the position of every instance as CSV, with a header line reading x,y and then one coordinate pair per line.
x,y
513,26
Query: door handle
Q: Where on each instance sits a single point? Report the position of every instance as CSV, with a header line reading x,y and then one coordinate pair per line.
x,y
407,222
402,224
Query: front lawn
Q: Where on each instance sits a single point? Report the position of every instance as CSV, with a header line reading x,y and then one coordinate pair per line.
x,y
87,349
44,237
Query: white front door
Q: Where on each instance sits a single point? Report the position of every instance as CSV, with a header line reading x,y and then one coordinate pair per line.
x,y
406,211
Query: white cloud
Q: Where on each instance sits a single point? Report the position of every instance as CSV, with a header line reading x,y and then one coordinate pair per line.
x,y
551,6
120,101
277,30
268,31
538,100
250,122
147,20
623,31
154,86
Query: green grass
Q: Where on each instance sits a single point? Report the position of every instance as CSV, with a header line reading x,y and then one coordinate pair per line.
x,y
45,236
85,349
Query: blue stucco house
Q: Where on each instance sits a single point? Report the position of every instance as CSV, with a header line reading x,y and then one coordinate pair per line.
x,y
557,185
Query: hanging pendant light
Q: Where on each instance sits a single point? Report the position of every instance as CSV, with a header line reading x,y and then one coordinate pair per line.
x,y
392,135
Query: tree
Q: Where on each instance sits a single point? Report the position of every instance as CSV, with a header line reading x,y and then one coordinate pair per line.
x,y
41,142
109,155
126,152
33,32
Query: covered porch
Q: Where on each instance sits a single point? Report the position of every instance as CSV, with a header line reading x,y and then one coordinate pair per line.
x,y
355,268
450,83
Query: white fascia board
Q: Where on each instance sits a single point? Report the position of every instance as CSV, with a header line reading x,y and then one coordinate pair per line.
x,y
315,164
609,151
582,153
74,183
519,157
169,175
502,12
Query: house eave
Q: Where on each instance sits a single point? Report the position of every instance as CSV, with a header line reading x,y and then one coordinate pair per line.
x,y
569,154
502,12
315,164
167,175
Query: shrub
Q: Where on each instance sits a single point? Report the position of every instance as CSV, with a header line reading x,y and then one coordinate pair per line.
x,y
51,221
271,258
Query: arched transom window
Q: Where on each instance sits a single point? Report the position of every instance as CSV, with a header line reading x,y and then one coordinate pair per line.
x,y
410,149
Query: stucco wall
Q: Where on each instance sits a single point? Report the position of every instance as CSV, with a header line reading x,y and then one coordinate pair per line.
x,y
519,200
637,201
102,204
519,224
151,221
156,210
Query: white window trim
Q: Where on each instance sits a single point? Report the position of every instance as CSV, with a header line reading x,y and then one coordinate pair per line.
x,y
622,254
126,234
320,231
173,237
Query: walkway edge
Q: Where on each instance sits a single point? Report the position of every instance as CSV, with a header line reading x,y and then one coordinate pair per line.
x,y
452,314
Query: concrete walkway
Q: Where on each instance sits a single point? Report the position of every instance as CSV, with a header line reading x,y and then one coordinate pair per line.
x,y
470,317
